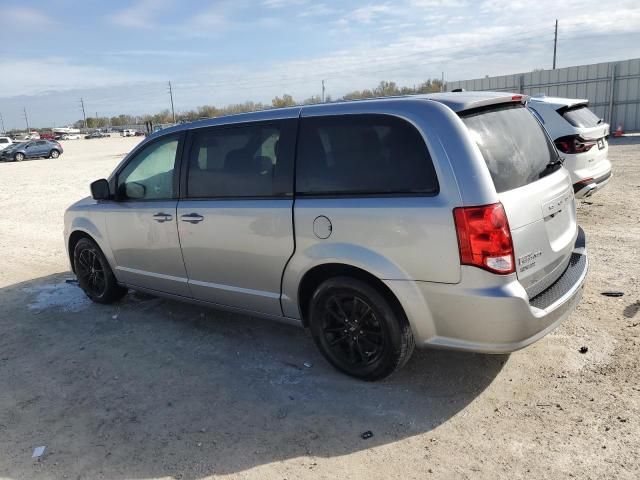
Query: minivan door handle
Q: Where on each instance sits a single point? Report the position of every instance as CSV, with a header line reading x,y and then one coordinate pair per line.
x,y
192,218
162,217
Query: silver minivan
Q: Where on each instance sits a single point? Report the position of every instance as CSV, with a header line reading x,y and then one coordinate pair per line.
x,y
443,220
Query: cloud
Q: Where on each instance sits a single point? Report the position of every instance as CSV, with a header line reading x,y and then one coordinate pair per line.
x,y
369,13
156,53
63,75
318,10
25,16
283,3
142,14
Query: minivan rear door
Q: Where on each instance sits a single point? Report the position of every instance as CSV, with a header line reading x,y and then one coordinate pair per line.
x,y
534,189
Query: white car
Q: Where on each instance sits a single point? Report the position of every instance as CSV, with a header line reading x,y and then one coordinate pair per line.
x,y
580,136
5,142
128,133
70,136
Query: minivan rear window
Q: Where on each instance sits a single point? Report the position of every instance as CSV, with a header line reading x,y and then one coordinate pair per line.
x,y
580,116
514,145
362,155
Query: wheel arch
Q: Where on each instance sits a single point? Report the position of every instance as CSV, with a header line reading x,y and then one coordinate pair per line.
x,y
74,238
318,274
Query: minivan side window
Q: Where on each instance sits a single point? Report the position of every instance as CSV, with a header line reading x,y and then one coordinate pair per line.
x,y
149,175
235,161
362,155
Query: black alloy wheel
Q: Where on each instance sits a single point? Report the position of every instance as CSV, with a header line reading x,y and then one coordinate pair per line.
x,y
358,330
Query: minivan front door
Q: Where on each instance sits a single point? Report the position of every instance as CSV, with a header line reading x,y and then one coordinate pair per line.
x,y
141,223
235,218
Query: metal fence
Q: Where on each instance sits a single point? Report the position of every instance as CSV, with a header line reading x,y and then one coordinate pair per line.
x,y
613,88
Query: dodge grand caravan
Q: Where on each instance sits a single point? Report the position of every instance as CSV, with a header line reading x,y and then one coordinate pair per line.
x,y
444,220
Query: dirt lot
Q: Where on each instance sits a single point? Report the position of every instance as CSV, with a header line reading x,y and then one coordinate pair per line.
x,y
150,388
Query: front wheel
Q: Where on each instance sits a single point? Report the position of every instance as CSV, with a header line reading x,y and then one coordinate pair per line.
x,y
357,329
54,154
18,157
94,274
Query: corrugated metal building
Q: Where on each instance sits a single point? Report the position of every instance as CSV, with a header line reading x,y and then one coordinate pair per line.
x,y
613,88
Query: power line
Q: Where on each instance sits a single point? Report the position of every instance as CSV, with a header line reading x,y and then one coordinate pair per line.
x,y
26,119
84,115
173,113
555,45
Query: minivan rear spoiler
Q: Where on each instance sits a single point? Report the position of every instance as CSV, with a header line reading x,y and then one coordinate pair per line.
x,y
461,101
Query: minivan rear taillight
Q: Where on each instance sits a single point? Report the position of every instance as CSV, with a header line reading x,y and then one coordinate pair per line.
x,y
484,238
574,144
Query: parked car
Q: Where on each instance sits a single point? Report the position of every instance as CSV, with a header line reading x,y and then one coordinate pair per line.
x,y
582,138
128,133
442,220
5,142
47,136
96,135
139,133
70,136
31,149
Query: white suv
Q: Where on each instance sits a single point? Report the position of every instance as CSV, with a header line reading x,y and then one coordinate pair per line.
x,y
5,142
580,136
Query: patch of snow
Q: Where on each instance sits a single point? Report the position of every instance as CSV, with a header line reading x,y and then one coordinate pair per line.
x,y
64,296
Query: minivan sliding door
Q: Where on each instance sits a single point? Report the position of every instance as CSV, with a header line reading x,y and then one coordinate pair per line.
x,y
235,214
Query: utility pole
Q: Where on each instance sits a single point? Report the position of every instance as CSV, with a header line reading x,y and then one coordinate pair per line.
x,y
26,119
555,45
84,115
173,113
442,83
322,91
2,121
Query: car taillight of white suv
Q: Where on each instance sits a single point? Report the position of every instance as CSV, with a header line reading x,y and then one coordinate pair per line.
x,y
580,136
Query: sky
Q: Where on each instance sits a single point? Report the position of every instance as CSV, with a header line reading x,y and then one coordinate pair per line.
x,y
119,55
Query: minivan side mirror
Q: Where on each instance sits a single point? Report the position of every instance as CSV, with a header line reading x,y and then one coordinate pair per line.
x,y
100,190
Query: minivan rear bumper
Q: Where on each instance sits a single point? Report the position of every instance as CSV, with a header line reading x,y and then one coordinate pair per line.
x,y
489,313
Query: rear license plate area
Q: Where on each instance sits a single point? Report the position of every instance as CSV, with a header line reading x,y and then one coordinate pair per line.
x,y
600,143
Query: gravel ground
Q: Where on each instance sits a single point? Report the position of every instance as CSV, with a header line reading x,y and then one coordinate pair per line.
x,y
150,388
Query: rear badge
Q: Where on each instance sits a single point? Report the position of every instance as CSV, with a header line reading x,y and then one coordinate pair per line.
x,y
528,261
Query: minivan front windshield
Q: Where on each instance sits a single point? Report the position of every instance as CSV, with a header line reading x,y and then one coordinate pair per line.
x,y
514,145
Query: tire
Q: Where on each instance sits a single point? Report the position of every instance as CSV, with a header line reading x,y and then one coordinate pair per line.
x,y
357,329
94,274
54,153
18,157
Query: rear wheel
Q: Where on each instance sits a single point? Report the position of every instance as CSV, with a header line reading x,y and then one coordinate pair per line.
x,y
18,157
94,274
54,153
357,329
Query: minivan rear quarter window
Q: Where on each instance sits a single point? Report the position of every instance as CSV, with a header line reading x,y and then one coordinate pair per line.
x,y
514,146
580,116
362,154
